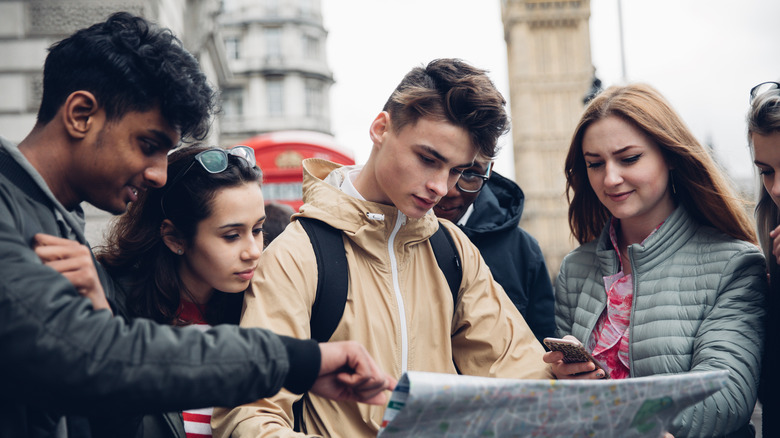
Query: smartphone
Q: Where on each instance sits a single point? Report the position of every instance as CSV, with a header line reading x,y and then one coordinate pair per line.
x,y
573,351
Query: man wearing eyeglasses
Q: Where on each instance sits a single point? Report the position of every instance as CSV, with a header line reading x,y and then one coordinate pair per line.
x,y
117,96
487,207
399,303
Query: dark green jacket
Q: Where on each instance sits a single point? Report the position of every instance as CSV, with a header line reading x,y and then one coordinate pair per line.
x,y
58,356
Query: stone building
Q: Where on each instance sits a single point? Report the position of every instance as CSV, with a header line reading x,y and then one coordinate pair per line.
x,y
29,27
550,72
266,57
281,80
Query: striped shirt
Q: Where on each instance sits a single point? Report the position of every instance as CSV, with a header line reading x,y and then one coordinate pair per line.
x,y
197,422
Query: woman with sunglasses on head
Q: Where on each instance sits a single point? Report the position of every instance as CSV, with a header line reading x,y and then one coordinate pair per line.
x,y
184,254
764,139
668,278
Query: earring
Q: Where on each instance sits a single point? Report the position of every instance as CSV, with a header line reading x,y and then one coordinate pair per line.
x,y
179,251
671,179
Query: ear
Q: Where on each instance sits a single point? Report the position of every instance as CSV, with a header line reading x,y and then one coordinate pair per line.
x,y
379,127
79,112
170,236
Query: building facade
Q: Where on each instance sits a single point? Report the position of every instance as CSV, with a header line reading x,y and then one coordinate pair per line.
x,y
29,27
280,77
550,73
267,58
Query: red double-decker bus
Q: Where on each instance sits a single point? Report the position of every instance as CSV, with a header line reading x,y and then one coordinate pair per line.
x,y
279,155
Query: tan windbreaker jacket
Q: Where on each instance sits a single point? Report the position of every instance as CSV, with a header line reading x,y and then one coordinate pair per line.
x,y
399,306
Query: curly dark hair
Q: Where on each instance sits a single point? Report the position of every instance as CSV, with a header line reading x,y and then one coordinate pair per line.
x,y
449,89
129,64
135,251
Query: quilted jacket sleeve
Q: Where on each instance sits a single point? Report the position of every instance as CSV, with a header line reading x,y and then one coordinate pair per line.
x,y
731,338
563,305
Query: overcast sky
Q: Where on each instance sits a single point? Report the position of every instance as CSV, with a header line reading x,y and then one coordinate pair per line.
x,y
703,55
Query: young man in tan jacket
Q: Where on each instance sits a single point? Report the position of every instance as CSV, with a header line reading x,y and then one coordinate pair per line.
x,y
399,305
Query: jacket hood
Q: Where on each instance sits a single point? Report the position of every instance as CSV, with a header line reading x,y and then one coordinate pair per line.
x,y
324,200
498,207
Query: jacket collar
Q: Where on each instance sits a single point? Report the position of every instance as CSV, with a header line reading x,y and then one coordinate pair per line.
x,y
324,200
673,234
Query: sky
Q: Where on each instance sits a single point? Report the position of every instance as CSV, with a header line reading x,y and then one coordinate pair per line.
x,y
702,55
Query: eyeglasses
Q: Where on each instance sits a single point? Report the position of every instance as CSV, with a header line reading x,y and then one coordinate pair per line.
x,y
472,182
214,160
763,88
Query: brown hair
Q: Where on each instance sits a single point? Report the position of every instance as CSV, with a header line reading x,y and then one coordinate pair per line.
x,y
452,90
700,184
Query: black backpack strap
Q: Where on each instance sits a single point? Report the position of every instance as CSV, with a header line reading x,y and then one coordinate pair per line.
x,y
333,281
332,285
332,278
448,259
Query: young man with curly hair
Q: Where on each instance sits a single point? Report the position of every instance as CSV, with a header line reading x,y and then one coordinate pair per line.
x,y
117,96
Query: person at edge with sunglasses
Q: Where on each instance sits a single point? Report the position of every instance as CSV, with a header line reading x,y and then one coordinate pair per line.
x,y
763,122
487,207
184,254
399,304
117,97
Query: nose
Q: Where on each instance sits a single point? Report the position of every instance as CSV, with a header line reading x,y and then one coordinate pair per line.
x,y
157,173
612,176
439,184
253,250
774,190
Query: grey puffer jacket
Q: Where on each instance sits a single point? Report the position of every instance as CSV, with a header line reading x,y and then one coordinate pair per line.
x,y
698,306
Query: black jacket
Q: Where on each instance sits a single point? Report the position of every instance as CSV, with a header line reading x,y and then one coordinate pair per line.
x,y
58,356
768,385
513,255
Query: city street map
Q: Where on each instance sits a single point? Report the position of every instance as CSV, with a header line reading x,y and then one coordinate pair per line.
x,y
446,405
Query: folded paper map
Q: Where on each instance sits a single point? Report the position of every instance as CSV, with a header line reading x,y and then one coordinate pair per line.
x,y
445,405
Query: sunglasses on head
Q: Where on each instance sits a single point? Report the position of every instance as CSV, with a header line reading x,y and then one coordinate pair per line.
x,y
762,88
214,160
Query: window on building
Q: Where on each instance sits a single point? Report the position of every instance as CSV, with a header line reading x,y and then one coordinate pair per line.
x,y
311,47
314,99
273,42
233,103
232,47
275,90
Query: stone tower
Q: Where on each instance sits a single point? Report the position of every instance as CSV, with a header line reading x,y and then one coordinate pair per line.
x,y
550,72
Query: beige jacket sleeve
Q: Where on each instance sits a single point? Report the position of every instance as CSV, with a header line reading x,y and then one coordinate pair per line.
x,y
490,337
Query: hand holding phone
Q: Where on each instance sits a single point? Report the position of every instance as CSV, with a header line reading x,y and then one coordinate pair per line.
x,y
573,351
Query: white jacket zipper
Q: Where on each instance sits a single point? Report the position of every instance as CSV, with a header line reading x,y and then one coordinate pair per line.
x,y
397,289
